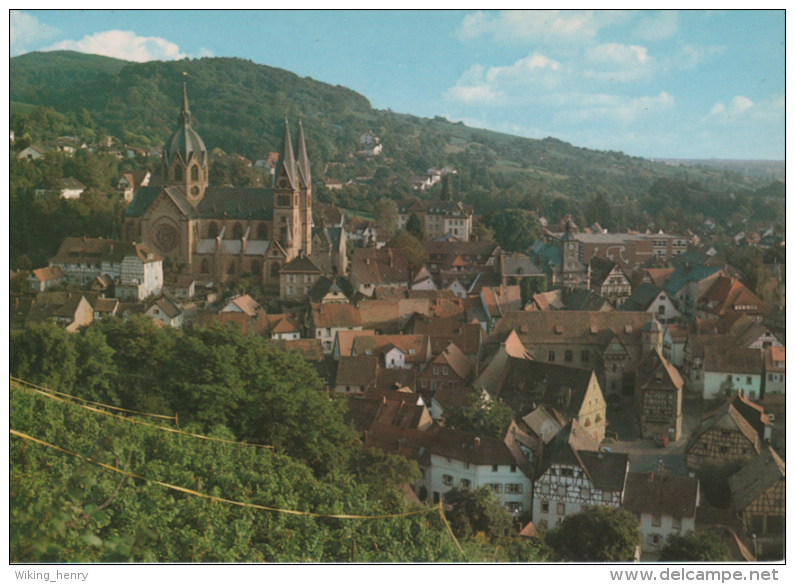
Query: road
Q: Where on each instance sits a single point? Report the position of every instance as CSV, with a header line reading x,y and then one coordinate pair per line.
x,y
644,454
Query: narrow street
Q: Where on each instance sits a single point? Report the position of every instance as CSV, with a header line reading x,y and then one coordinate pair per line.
x,y
644,454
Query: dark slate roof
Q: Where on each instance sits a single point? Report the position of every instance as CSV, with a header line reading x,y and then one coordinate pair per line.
x,y
217,203
525,382
661,494
756,477
600,269
301,265
606,469
686,272
641,298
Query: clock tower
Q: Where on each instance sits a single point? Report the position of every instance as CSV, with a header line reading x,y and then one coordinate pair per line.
x,y
573,271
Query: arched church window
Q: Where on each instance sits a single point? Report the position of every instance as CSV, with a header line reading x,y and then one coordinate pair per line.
x,y
177,172
212,230
194,172
237,231
262,232
255,268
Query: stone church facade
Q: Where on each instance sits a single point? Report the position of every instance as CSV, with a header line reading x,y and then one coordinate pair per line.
x,y
223,233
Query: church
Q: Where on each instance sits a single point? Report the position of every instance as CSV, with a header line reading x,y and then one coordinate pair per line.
x,y
223,233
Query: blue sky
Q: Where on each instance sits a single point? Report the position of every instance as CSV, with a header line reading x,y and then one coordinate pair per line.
x,y
686,84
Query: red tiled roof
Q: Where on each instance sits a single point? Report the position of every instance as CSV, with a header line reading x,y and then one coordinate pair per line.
x,y
336,315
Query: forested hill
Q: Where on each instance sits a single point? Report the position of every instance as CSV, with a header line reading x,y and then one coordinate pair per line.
x,y
240,106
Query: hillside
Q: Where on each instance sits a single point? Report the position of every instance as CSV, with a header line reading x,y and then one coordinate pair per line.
x,y
240,106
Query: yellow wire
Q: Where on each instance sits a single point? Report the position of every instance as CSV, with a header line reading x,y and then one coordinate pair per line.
x,y
164,429
33,385
219,499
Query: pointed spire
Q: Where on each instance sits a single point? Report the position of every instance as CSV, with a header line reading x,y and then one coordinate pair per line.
x,y
184,110
303,159
288,158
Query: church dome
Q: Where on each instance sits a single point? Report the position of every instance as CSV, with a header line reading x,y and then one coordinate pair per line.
x,y
185,141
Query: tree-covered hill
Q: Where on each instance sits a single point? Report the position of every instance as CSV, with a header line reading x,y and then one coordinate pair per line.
x,y
240,107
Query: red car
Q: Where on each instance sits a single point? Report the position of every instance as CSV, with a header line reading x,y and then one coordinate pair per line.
x,y
661,441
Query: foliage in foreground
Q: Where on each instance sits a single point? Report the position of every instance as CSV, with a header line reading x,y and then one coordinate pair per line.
x,y
65,509
600,534
695,547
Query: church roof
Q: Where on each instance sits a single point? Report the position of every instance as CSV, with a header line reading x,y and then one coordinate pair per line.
x,y
218,202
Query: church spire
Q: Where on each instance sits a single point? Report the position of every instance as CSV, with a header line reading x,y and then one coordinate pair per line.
x,y
288,158
184,110
303,159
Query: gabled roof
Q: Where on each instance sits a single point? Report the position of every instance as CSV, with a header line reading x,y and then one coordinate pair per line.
x,y
566,327
602,268
336,315
686,272
46,274
733,360
736,414
661,494
379,266
653,365
525,384
414,347
325,286
91,249
245,304
217,203
457,361
500,299
467,447
751,481
302,264
357,371
725,294
641,298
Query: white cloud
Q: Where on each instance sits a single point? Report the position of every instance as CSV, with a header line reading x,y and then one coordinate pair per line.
x,y
618,107
479,84
204,52
663,24
25,29
538,26
123,44
473,94
738,105
617,62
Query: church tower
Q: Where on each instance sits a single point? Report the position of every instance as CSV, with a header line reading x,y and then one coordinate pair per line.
x,y
305,193
286,201
574,273
185,160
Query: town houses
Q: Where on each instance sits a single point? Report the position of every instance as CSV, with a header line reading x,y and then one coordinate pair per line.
x,y
608,350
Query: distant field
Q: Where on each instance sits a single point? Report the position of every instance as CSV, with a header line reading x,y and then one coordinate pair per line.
x,y
774,169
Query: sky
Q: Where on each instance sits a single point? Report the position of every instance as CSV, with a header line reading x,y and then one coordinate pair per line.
x,y
657,84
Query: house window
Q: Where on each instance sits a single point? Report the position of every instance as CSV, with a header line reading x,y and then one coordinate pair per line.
x,y
585,356
447,479
445,371
551,356
655,540
436,371
513,468
676,523
561,508
424,384
496,487
513,488
748,380
466,483
495,467
544,506
656,520
568,356
514,507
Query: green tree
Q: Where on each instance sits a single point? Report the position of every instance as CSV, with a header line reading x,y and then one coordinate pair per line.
x,y
515,229
529,287
44,354
412,247
705,546
386,215
483,415
600,534
473,512
414,227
